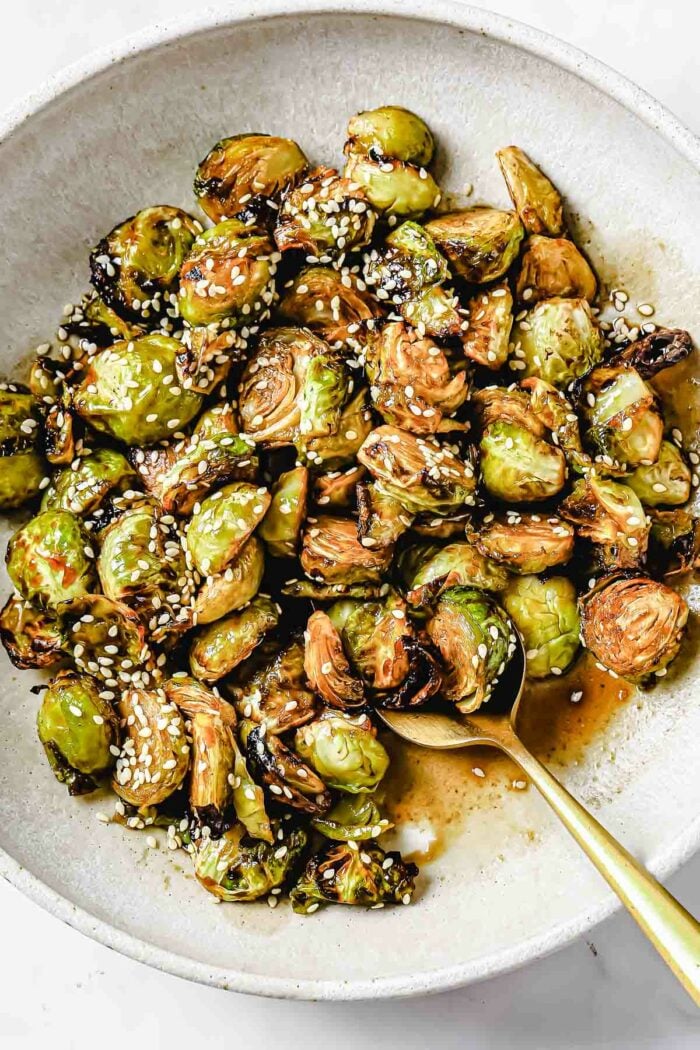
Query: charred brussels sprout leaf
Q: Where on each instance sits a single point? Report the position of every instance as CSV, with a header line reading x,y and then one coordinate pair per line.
x,y
546,614
625,425
343,873
392,186
381,518
391,131
524,543
375,636
223,523
666,482
288,779
332,553
536,200
285,516
487,337
107,640
518,467
324,217
237,867
22,467
429,570
660,349
611,516
31,636
234,587
480,243
334,305
83,490
222,645
675,540
326,665
344,751
50,560
162,755
551,267
355,818
558,340
246,172
274,692
556,413
338,489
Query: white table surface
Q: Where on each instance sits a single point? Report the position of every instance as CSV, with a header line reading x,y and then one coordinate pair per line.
x,y
57,988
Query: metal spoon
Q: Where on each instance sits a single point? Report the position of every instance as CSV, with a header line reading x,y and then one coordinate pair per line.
x,y
671,929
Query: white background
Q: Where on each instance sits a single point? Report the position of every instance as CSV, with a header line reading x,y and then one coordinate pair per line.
x,y
60,990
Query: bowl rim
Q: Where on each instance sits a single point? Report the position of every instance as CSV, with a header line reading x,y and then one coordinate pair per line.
x,y
640,104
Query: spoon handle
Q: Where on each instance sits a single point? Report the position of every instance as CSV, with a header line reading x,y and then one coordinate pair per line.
x,y
671,929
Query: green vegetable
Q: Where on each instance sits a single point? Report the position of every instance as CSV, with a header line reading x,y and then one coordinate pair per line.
x,y
343,873
50,560
546,614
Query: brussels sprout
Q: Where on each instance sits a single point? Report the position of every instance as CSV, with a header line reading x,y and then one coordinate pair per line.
x,y
234,587
344,873
162,756
668,481
518,467
207,355
392,186
228,277
123,392
221,646
624,422
334,305
325,217
326,665
412,385
375,635
424,678
82,490
675,535
285,516
330,592
381,518
246,171
237,867
498,404
289,780
611,516
340,449
661,349
59,440
107,640
45,380
418,472
524,543
475,639
272,689
480,243
546,614
222,524
344,751
633,625
294,386
49,559
446,528
558,340
31,636
391,131
93,323
487,337
78,729
332,553
22,467
429,570
338,489
134,269
553,267
536,200
556,413
354,818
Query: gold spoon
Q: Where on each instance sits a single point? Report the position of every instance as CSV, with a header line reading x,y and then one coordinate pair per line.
x,y
671,929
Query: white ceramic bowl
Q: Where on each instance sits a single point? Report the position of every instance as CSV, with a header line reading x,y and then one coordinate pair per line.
x,y
126,129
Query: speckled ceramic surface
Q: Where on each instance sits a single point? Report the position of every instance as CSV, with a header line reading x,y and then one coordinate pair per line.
x,y
126,129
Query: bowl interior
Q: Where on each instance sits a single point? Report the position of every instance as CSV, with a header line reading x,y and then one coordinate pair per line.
x,y
509,884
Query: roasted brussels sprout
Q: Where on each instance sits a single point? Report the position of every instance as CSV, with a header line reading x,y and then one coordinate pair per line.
x,y
332,304
59,438
340,449
553,267
555,412
480,243
381,518
487,338
429,570
22,467
222,524
675,540
288,779
375,635
624,422
354,818
517,466
330,592
237,867
558,340
325,217
424,678
391,131
546,614
344,751
234,587
475,639
393,187
222,645
134,269
326,664
78,729
499,404
228,277
656,351
107,640
332,553
82,489
664,483
246,172
610,515
338,489
633,625
95,324
524,543
162,754
285,516
32,637
124,392
344,873
273,691
294,386
49,560
536,200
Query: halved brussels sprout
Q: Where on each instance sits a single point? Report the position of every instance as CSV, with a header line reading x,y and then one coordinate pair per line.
x,y
344,751
518,467
546,614
222,524
480,243
524,543
340,449
207,355
94,323
285,516
50,560
83,489
246,172
354,818
381,518
154,735
237,867
326,664
234,587
272,689
338,489
556,413
656,351
393,187
135,267
633,625
228,277
552,267
126,393
330,303
625,424
78,729
419,473
558,340
429,570
536,200
499,404
375,636
294,386
31,636
344,873
475,639
675,535
391,131
45,380
324,217
106,639
412,384
610,515
424,678
288,779
222,645
666,482
332,553
59,439
487,338
22,467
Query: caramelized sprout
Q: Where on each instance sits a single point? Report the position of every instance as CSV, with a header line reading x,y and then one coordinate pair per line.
x,y
222,524
288,779
234,587
524,543
31,636
222,645
551,267
106,639
675,541
22,467
237,867
338,489
381,517
487,337
49,560
326,665
391,131
332,553
375,636
546,615
428,570
325,217
518,467
392,186
272,689
354,818
343,873
332,304
660,349
536,200
162,755
344,751
664,483
558,341
480,243
551,407
612,517
83,490
624,421
285,516
340,449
